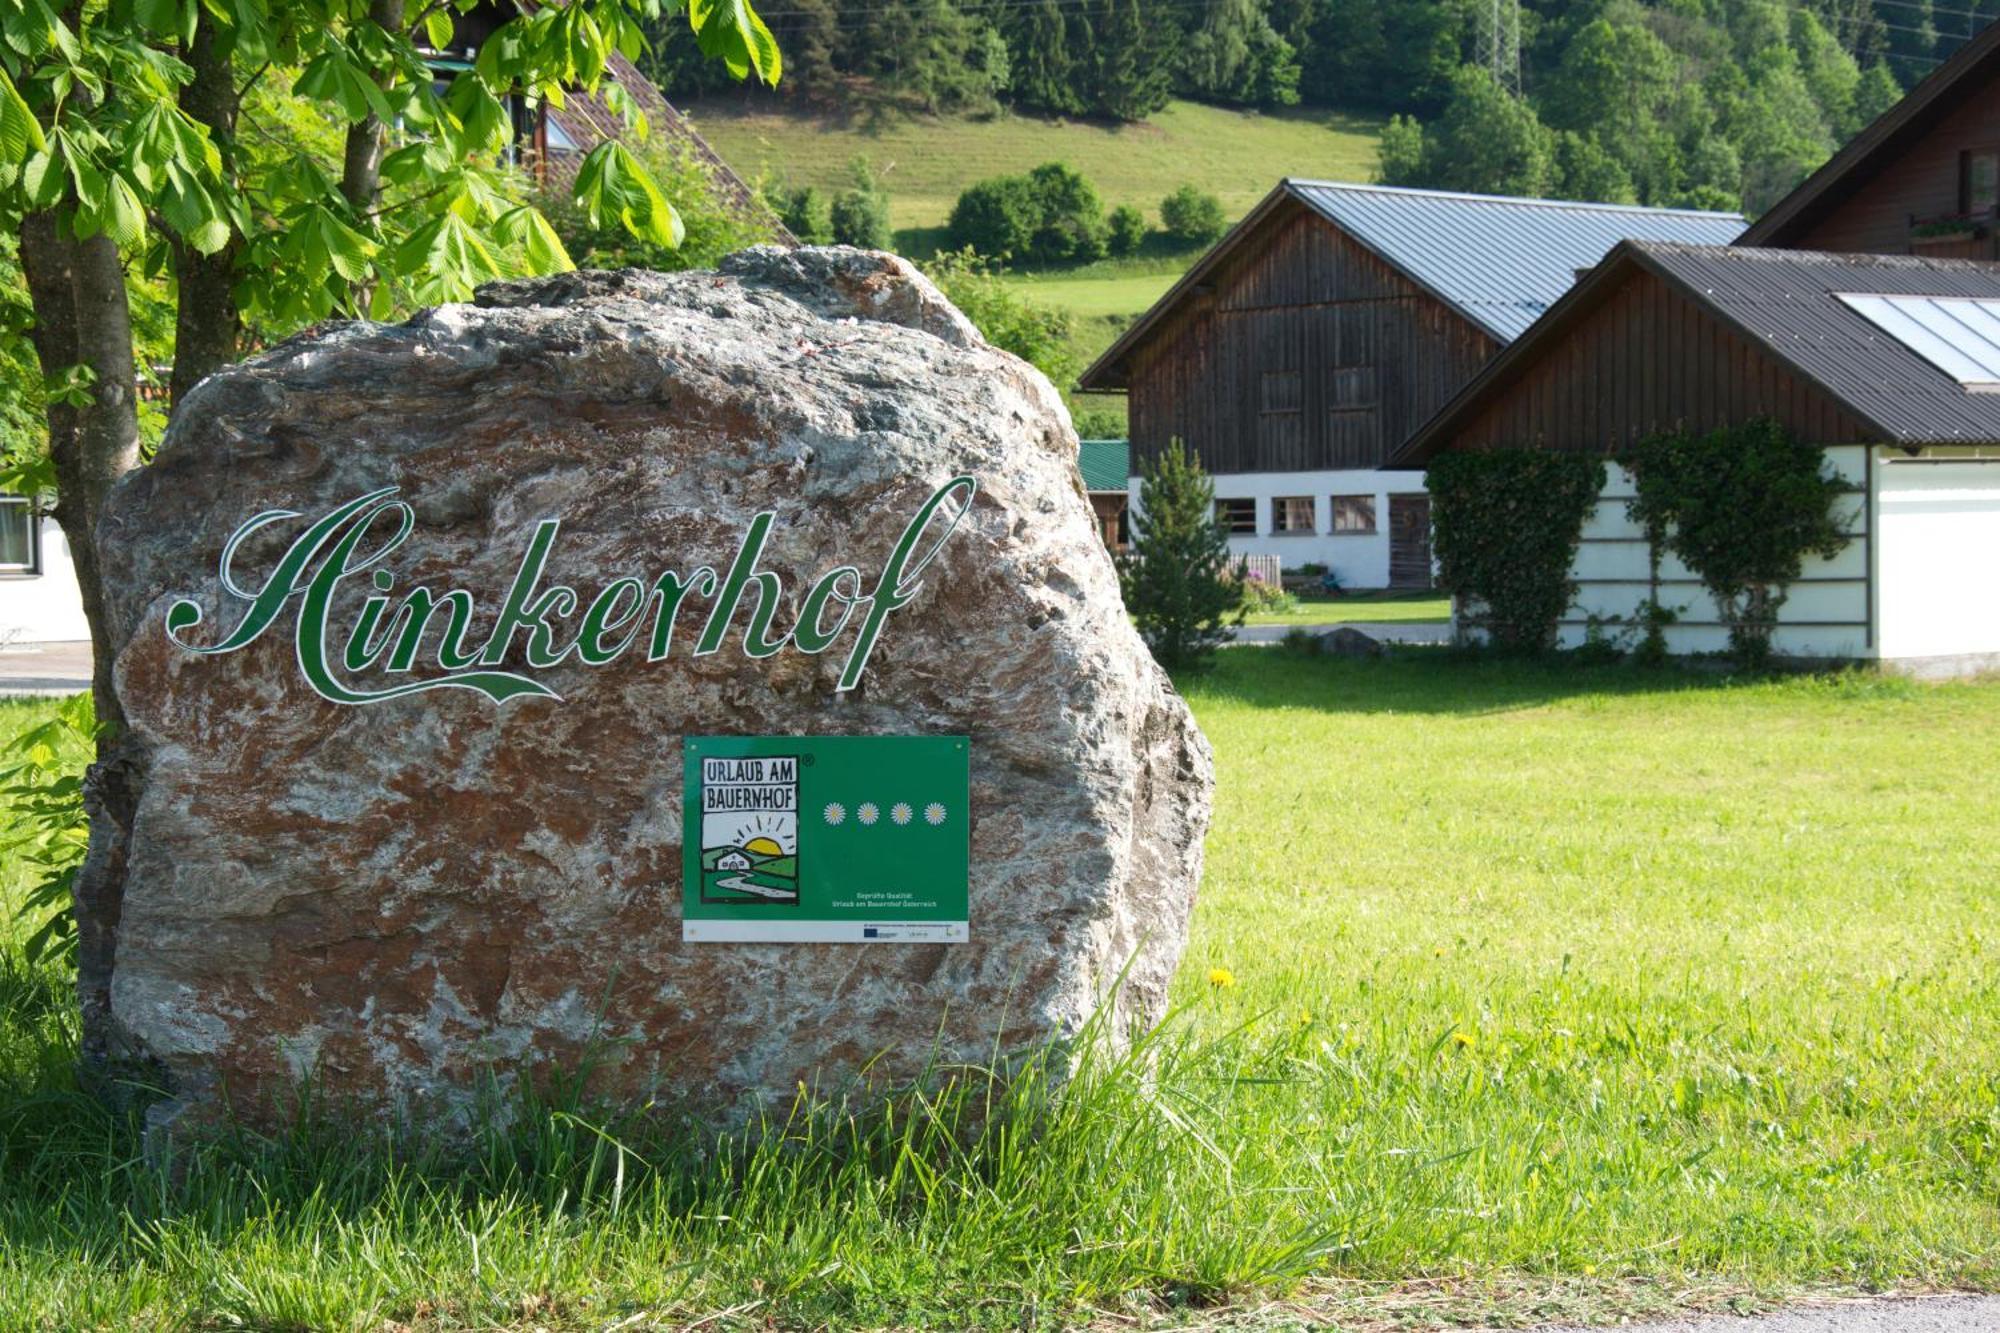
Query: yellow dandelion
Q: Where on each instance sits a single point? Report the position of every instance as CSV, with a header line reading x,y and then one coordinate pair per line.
x,y
1461,1039
1221,978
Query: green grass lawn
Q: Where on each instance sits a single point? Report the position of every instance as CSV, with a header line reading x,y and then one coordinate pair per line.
x,y
925,161
1552,991
1401,608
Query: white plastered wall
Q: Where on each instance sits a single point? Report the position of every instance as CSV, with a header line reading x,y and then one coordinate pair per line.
x,y
43,607
1361,559
1938,518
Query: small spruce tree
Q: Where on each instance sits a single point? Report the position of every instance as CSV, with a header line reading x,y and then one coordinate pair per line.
x,y
1176,578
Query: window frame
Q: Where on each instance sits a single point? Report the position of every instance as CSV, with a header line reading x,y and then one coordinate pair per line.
x,y
1280,508
1225,513
1374,527
33,567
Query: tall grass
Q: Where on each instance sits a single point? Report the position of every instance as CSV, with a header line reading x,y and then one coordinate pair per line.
x,y
1639,982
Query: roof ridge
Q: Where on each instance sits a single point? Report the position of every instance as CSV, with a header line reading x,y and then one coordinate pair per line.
x,y
1772,254
1474,197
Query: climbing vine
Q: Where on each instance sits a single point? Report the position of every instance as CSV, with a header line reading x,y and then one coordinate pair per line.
x,y
1505,526
1742,507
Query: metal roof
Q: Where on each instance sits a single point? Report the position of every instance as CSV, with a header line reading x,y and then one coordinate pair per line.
x,y
1105,464
1791,304
1500,261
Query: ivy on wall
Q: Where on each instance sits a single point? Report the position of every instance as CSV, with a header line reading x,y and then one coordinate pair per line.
x,y
1505,524
1742,507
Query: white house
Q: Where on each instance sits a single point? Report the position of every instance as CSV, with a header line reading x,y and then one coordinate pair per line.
x,y
39,601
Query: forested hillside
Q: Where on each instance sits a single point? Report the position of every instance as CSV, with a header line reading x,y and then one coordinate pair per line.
x,y
1710,103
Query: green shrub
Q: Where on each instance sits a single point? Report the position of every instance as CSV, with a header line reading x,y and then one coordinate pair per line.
x,y
1176,577
806,213
997,218
1052,215
1742,507
1038,334
1506,524
860,215
1192,216
1126,229
1256,596
715,223
1072,226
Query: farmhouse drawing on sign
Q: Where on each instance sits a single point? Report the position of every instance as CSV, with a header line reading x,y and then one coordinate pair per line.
x,y
750,830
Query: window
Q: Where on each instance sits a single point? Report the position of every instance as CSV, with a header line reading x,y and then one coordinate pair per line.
x,y
1354,513
1353,386
1283,391
17,536
1237,515
1293,514
1979,180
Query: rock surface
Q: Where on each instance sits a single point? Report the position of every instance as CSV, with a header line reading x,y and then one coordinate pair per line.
x,y
406,897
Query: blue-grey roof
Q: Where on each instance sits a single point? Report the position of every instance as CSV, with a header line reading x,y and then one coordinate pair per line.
x,y
1500,261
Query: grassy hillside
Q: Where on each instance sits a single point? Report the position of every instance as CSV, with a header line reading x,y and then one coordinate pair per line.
x,y
925,161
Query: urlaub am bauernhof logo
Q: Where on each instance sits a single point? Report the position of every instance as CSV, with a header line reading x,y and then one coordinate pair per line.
x,y
750,830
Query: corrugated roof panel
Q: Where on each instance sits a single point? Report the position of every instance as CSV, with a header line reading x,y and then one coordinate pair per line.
x,y
1105,464
1501,261
1795,303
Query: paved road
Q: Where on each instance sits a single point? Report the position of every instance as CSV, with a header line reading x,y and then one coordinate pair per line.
x,y
1386,631
44,668
1917,1314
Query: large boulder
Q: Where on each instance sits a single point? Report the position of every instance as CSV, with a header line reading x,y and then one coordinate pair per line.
x,y
304,869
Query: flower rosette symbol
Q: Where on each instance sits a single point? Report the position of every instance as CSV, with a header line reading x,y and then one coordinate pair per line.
x,y
934,813
835,813
901,813
868,813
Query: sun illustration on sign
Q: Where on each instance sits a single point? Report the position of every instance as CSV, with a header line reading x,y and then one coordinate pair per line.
x,y
767,835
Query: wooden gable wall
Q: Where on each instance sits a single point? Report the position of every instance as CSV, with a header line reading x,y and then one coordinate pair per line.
x,y
1648,359
1920,182
1305,353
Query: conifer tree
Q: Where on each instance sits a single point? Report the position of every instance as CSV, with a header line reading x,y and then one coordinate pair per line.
x,y
1176,578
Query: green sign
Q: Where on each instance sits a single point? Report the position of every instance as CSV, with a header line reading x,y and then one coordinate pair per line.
x,y
826,839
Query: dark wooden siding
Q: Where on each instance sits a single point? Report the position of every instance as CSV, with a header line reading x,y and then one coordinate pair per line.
x,y
1306,353
1649,359
1920,182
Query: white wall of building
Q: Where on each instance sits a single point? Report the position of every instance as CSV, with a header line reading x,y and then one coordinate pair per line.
x,y
44,606
1826,614
1938,554
1361,559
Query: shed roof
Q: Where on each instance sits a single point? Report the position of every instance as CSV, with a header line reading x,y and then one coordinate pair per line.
x,y
1105,464
1968,73
1497,261
1788,303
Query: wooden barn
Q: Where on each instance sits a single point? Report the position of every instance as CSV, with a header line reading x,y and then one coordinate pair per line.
x,y
1329,324
1892,363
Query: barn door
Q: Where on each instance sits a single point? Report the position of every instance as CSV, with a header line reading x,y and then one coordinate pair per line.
x,y
1410,541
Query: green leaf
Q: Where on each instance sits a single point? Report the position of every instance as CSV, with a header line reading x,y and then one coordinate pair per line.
x,y
20,132
438,28
613,185
731,31
124,215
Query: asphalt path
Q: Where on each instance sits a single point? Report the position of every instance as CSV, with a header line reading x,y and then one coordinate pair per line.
x,y
44,668
1913,1314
